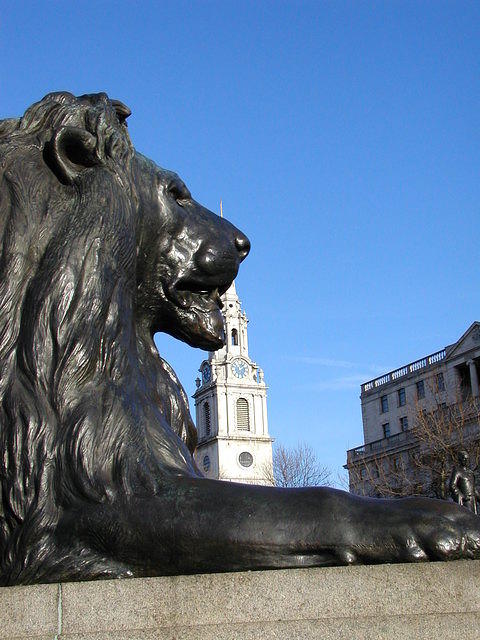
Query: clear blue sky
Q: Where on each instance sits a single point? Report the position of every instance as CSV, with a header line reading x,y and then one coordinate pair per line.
x,y
343,138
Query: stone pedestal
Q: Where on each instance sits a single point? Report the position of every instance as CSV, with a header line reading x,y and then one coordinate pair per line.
x,y
439,601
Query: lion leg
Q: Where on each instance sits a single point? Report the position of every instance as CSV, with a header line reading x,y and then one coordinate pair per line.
x,y
196,525
253,527
200,525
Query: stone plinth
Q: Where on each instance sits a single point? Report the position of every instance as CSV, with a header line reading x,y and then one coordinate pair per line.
x,y
439,601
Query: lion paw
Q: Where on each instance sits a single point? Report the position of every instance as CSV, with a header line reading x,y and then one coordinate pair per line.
x,y
416,530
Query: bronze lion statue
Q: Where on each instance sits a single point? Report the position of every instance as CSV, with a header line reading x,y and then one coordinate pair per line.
x,y
101,248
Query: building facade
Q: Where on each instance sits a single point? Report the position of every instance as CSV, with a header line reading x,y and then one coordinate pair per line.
x,y
443,386
231,407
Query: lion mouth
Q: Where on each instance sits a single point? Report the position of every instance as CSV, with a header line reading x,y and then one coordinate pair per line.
x,y
198,316
189,295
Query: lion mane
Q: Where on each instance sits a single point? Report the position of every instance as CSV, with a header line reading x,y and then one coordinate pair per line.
x,y
87,406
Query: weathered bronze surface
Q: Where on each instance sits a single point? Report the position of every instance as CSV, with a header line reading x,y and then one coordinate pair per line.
x,y
101,248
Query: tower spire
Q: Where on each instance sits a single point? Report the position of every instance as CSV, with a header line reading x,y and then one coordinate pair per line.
x,y
231,406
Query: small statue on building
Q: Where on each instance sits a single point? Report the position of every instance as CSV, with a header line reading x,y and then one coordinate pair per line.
x,y
462,483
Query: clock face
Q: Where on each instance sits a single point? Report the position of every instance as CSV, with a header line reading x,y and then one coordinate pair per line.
x,y
206,373
245,459
239,368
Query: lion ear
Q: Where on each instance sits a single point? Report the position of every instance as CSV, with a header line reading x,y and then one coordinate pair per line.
x,y
69,152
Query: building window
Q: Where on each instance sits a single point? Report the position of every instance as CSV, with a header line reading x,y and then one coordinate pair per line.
x,y
384,404
206,418
404,423
440,382
243,417
396,463
386,430
234,337
402,399
420,389
206,463
245,459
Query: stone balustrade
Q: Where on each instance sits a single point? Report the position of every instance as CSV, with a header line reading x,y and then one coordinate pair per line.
x,y
404,371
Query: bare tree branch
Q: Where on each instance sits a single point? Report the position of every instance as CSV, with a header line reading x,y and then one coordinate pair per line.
x,y
297,467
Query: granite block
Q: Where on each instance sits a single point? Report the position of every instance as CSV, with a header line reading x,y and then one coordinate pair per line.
x,y
29,612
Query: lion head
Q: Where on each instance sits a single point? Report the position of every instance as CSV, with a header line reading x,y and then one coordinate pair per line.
x,y
100,249
187,258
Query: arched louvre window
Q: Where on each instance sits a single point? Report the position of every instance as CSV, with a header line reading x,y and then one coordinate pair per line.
x,y
206,463
206,418
234,337
243,417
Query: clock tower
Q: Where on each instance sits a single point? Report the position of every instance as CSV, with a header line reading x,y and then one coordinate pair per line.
x,y
231,407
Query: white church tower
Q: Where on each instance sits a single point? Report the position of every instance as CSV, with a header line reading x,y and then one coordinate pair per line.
x,y
231,407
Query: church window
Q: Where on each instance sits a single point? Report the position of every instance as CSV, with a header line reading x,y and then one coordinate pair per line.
x,y
206,418
206,463
234,337
243,417
245,459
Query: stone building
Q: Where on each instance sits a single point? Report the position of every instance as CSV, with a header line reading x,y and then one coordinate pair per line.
x,y
391,404
231,407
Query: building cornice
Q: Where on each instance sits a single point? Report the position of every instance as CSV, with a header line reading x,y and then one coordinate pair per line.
x,y
426,363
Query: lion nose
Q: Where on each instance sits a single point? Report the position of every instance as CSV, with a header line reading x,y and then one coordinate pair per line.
x,y
242,244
